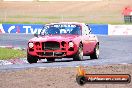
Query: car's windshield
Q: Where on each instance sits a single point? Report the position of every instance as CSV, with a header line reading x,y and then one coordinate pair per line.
x,y
61,29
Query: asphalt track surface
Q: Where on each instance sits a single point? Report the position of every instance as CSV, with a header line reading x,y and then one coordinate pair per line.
x,y
113,50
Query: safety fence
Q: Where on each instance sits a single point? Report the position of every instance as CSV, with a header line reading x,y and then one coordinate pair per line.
x,y
101,29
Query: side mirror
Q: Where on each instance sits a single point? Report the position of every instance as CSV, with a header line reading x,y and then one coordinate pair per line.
x,y
36,35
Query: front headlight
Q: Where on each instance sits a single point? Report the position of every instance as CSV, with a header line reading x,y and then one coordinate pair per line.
x,y
71,44
30,45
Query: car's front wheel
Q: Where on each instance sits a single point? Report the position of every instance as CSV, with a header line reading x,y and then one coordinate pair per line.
x,y
79,54
95,54
31,59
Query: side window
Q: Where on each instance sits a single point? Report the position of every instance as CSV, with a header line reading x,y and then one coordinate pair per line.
x,y
89,29
85,30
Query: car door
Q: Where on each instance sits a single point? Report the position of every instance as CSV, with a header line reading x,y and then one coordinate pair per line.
x,y
85,38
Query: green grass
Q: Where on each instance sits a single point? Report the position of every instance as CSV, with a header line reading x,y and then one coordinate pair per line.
x,y
58,19
40,22
48,19
6,54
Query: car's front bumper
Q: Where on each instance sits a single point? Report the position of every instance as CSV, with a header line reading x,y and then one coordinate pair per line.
x,y
52,53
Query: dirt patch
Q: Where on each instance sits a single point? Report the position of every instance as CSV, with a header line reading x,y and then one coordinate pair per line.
x,y
60,77
106,11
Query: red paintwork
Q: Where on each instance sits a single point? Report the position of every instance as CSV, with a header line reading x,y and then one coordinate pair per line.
x,y
89,43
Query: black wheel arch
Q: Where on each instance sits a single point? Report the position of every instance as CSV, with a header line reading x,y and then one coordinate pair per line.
x,y
97,43
81,43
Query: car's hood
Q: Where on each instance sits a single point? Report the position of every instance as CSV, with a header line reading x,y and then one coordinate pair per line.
x,y
54,38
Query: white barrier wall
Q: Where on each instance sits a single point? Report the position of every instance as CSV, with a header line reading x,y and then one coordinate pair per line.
x,y
119,29
103,29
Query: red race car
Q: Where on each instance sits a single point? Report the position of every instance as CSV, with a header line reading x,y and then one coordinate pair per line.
x,y
63,40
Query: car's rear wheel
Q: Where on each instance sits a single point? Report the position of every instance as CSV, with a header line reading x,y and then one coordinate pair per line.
x,y
95,55
79,54
31,59
50,59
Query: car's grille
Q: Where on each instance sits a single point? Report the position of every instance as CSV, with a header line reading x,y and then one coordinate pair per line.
x,y
51,53
50,45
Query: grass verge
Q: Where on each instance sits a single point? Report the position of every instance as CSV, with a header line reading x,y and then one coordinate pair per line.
x,y
6,54
40,22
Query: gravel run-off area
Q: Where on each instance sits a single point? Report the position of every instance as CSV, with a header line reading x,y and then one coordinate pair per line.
x,y
60,77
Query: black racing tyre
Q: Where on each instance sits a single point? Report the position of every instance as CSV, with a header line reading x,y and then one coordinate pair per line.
x,y
50,59
31,59
79,54
95,55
